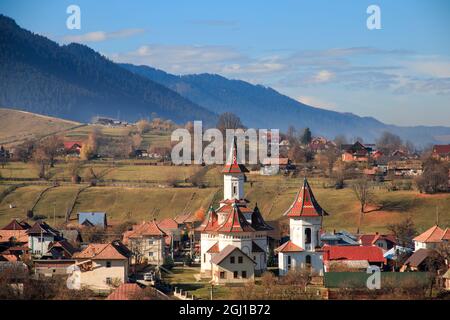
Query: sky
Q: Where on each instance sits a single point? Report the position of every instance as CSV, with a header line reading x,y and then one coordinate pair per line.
x,y
318,52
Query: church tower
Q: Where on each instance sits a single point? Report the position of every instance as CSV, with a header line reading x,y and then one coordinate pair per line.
x,y
233,176
305,221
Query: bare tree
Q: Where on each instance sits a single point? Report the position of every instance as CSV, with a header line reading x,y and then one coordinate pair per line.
x,y
388,143
229,120
143,126
52,146
364,193
90,147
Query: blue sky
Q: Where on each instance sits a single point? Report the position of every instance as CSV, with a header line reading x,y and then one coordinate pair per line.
x,y
318,52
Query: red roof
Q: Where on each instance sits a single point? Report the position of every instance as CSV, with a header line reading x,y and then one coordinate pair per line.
x,y
441,149
446,235
102,251
371,239
149,228
235,222
305,204
289,246
210,223
126,291
71,144
168,223
434,234
214,248
369,253
233,166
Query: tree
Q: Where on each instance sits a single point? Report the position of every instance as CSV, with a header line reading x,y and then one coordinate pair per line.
x,y
143,126
339,140
306,137
24,151
404,231
52,147
229,120
434,177
42,163
388,143
136,140
200,214
363,192
74,170
90,147
4,157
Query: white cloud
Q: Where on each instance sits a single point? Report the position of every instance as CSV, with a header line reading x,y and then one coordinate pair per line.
x,y
98,36
316,102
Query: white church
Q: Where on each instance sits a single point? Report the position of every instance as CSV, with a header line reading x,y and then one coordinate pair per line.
x,y
303,250
234,244
233,227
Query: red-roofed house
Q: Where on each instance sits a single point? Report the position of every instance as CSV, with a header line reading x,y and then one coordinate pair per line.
x,y
103,265
73,147
371,254
441,152
147,243
384,241
126,291
429,239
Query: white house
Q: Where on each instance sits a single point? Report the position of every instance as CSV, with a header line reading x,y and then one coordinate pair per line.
x,y
302,250
103,266
40,236
431,238
233,223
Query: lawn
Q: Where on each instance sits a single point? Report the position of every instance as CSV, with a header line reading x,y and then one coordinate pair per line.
x,y
183,278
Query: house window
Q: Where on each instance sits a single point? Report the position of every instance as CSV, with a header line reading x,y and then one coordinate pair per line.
x,y
150,241
308,261
150,254
240,259
108,280
307,235
222,274
108,264
235,274
244,274
231,259
234,190
289,261
204,257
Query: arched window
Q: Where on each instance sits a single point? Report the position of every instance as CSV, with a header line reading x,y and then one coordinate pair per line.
x,y
308,260
307,235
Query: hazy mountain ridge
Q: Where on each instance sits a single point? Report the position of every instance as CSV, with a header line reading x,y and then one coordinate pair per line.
x,y
263,107
75,82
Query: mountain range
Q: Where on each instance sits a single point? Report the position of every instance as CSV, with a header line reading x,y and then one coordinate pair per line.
x,y
75,82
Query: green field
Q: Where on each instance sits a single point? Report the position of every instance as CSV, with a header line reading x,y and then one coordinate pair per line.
x,y
273,195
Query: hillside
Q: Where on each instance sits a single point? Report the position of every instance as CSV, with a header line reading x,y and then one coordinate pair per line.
x,y
75,82
16,126
263,107
136,193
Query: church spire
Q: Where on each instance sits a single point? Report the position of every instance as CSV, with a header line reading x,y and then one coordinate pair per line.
x,y
232,165
305,204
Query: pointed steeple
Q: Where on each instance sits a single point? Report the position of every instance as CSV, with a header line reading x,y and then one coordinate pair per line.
x,y
235,222
210,223
258,222
232,165
305,204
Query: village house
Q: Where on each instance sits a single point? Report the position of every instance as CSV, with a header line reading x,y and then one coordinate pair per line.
x,y
126,291
52,267
14,238
405,167
356,152
40,237
341,238
103,265
233,224
92,219
73,148
446,278
232,265
305,221
431,238
441,152
418,261
146,242
173,231
352,257
383,241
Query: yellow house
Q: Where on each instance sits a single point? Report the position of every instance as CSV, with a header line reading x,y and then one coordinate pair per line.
x,y
103,266
232,265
